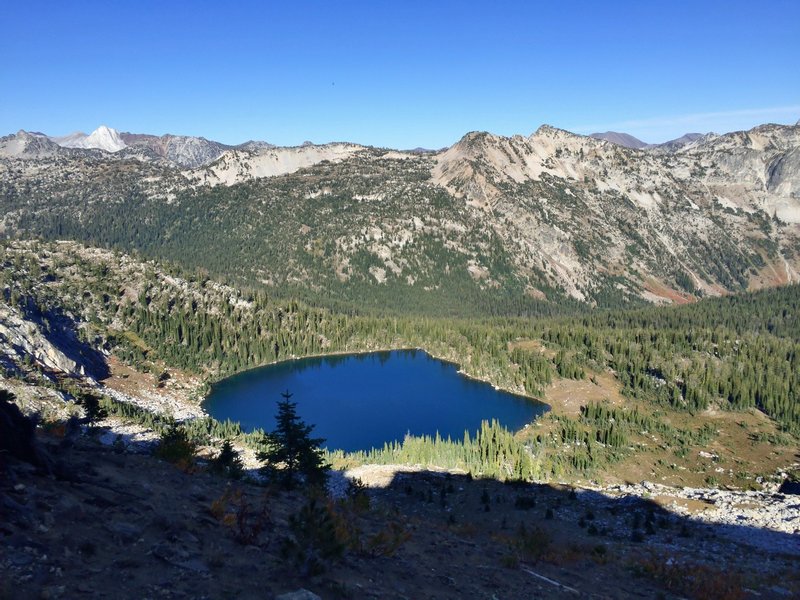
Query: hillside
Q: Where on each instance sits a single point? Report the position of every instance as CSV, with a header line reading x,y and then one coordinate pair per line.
x,y
719,376
515,225
701,399
131,525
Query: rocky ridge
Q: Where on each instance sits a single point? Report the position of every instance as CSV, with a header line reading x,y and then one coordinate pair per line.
x,y
544,215
182,150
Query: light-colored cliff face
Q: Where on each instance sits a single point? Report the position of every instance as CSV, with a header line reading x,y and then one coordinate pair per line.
x,y
579,206
754,170
102,138
20,337
235,166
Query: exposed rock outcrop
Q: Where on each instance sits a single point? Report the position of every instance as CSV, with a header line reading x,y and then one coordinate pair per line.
x,y
58,350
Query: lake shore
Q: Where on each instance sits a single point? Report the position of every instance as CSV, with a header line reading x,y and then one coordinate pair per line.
x,y
389,393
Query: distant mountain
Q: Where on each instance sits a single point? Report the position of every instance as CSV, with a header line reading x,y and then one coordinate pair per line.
x,y
181,150
492,218
680,142
628,141
102,138
254,145
421,150
70,140
185,151
27,145
620,139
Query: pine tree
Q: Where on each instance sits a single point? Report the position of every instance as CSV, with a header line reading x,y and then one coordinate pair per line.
x,y
228,462
94,410
292,452
176,446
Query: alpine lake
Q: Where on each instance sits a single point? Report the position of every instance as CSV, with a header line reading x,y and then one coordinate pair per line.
x,y
361,401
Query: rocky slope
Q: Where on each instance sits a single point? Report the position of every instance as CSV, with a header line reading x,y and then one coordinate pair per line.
x,y
508,220
184,151
241,164
720,211
467,538
129,526
27,145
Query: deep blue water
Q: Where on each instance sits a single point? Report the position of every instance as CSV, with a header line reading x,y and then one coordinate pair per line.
x,y
360,401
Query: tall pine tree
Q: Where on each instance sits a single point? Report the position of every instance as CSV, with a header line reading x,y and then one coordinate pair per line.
x,y
292,452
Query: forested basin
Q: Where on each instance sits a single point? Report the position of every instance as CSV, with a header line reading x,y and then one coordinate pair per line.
x,y
361,401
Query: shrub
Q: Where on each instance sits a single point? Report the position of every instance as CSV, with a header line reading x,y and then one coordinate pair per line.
x,y
235,511
315,539
532,544
357,495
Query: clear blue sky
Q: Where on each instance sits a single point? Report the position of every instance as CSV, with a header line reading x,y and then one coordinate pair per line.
x,y
399,74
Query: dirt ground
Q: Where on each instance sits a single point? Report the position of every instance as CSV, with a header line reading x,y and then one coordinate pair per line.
x,y
742,453
125,525
566,396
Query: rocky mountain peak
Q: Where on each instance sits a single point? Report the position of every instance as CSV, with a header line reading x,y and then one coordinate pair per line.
x,y
183,150
103,138
553,132
24,144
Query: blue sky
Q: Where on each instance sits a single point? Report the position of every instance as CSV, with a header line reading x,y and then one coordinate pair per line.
x,y
397,74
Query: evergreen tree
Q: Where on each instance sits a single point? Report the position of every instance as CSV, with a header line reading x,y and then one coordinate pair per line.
x,y
228,462
292,452
94,410
175,446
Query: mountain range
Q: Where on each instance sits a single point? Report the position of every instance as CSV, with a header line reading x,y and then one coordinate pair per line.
x,y
191,151
504,222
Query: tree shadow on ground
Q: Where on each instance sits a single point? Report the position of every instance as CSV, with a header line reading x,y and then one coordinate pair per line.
x,y
462,537
569,533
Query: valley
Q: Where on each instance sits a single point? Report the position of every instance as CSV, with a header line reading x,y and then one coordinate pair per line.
x,y
83,316
649,297
516,225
